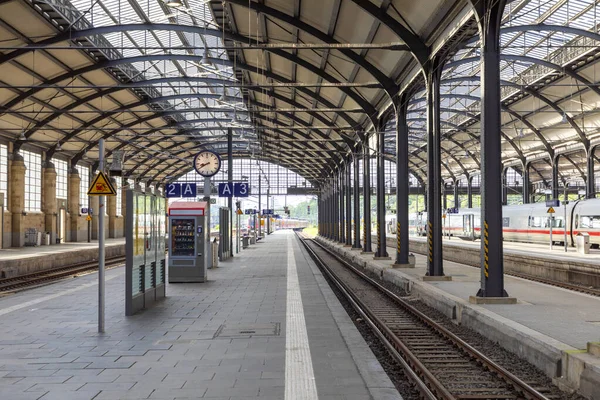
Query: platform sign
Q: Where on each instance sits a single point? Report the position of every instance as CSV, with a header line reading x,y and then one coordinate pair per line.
x,y
552,203
241,189
181,190
234,189
268,211
250,211
188,190
226,189
173,190
101,186
550,210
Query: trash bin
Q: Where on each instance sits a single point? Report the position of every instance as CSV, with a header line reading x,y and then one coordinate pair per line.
x,y
46,239
582,243
245,240
252,239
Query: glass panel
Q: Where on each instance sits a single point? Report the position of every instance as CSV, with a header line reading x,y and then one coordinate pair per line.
x,y
84,184
33,181
61,168
182,237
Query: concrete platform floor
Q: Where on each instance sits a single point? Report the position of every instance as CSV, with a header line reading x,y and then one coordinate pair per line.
x,y
265,326
569,317
13,253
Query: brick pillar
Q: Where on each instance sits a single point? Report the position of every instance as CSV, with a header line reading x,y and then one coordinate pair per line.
x,y
112,213
76,233
17,200
49,200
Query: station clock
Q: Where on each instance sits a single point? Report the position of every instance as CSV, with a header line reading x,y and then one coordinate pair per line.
x,y
207,163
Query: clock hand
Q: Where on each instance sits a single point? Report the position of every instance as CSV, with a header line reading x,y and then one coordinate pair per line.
x,y
203,165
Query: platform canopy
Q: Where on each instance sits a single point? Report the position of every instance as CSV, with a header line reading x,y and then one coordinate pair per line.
x,y
300,83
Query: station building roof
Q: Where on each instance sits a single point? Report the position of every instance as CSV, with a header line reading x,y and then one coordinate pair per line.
x,y
300,83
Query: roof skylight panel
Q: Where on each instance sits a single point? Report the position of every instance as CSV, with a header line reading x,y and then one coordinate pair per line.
x,y
121,11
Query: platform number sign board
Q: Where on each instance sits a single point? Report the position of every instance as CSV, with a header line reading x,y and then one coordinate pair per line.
x,y
231,189
101,186
181,190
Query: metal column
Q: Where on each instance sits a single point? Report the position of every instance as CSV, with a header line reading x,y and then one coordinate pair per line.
x,y
381,251
526,184
230,178
348,205
402,183
489,13
504,186
590,184
456,197
469,191
259,228
341,207
356,188
555,177
366,199
336,209
434,173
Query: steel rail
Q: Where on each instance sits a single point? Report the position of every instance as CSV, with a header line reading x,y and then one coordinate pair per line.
x,y
511,379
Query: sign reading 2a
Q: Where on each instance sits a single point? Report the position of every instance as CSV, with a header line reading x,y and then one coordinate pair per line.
x,y
180,190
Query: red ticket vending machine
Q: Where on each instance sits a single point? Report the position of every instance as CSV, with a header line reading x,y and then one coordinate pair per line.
x,y
188,241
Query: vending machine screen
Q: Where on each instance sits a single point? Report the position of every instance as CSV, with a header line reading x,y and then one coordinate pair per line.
x,y
183,237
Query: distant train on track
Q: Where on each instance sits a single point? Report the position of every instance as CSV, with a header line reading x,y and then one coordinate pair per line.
x,y
528,223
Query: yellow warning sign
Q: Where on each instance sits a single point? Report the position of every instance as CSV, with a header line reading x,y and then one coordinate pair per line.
x,y
88,218
444,216
550,210
101,186
239,212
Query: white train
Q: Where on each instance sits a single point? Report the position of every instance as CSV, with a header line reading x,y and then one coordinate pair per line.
x,y
528,223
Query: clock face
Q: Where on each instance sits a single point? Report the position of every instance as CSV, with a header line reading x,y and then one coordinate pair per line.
x,y
207,163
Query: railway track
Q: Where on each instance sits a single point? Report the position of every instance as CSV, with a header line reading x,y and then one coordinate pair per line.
x,y
440,364
18,283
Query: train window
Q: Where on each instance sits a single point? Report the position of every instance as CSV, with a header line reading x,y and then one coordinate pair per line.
x,y
537,222
589,222
558,222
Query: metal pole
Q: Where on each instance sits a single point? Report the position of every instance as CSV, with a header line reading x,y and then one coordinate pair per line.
x,y
402,184
101,249
342,187
230,179
237,239
551,218
492,255
356,188
207,242
435,265
348,205
565,202
89,205
381,251
366,199
259,207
